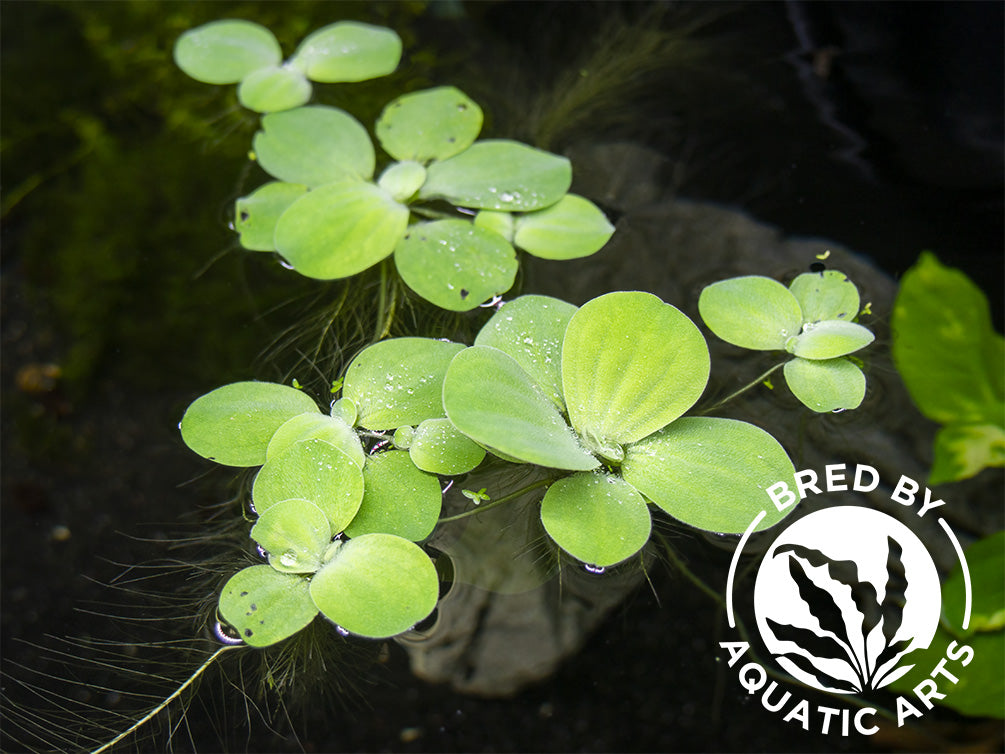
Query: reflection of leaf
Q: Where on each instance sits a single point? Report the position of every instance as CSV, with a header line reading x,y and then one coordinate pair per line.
x,y
820,602
896,588
823,679
891,651
823,647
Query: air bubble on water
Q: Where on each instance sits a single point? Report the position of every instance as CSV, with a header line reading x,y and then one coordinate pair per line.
x,y
179,426
286,264
223,635
262,552
590,568
341,630
838,411
449,485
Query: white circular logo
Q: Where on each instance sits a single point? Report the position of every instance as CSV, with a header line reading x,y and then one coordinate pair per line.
x,y
842,597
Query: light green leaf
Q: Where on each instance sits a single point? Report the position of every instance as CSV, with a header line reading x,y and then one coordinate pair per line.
x,y
338,230
402,179
332,430
598,518
825,295
233,424
499,174
399,381
751,312
312,470
437,447
828,385
455,265
314,145
963,450
433,124
266,606
398,498
531,329
945,348
224,52
493,401
348,51
986,562
498,222
258,212
631,364
574,227
274,88
829,339
711,473
376,585
295,533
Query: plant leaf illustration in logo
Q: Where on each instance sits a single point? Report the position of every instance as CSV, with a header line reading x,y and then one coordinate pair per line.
x,y
893,612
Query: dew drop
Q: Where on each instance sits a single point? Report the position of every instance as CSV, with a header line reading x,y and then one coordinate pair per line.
x,y
288,559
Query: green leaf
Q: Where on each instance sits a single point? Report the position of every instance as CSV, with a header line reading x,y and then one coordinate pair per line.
x,y
274,88
315,471
266,606
751,312
574,227
455,265
597,518
314,145
433,124
295,533
828,385
825,295
631,364
531,329
498,222
402,179
945,348
963,450
437,447
986,562
398,498
493,401
710,473
399,381
233,424
224,52
338,230
348,51
331,429
258,212
376,585
829,339
499,174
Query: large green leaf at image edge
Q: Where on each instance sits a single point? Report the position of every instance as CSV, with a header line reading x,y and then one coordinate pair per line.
x,y
266,606
499,174
376,585
710,473
597,518
489,398
825,295
433,124
398,498
224,52
827,385
631,364
751,312
233,424
295,533
340,229
348,51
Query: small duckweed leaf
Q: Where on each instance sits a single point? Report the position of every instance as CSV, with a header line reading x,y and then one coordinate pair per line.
x,y
437,447
399,381
631,364
295,533
830,339
574,227
751,312
266,606
331,429
491,399
224,52
454,264
502,223
314,145
338,230
433,124
963,450
258,212
826,385
402,179
825,295
597,518
348,51
233,424
398,498
531,329
710,473
499,174
272,89
376,585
